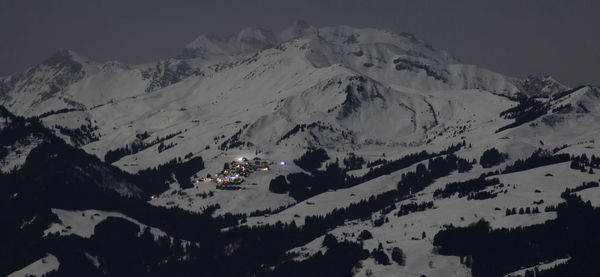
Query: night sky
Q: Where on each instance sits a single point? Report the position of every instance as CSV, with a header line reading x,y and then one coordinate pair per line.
x,y
516,38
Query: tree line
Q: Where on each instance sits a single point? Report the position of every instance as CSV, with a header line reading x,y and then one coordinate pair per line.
x,y
465,188
138,145
496,252
302,186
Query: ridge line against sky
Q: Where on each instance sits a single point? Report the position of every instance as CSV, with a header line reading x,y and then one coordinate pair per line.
x,y
516,38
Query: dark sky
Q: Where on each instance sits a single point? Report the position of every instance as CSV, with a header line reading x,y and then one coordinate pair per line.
x,y
517,38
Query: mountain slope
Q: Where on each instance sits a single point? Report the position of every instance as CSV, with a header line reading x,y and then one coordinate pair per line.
x,y
411,143
389,58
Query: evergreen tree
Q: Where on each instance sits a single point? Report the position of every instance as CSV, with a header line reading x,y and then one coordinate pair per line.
x,y
365,235
398,256
491,157
279,185
380,256
329,241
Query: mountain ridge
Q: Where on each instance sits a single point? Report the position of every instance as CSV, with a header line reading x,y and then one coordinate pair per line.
x,y
347,140
388,57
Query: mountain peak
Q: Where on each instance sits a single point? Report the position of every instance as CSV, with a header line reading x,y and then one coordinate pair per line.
x,y
245,41
66,58
252,39
255,33
65,54
299,28
541,86
202,46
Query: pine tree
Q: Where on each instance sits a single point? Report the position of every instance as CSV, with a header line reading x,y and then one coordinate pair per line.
x,y
398,256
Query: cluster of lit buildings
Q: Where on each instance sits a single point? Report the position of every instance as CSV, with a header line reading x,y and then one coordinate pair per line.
x,y
234,173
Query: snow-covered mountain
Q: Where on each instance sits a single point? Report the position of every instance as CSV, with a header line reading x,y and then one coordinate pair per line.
x,y
386,57
376,95
270,82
